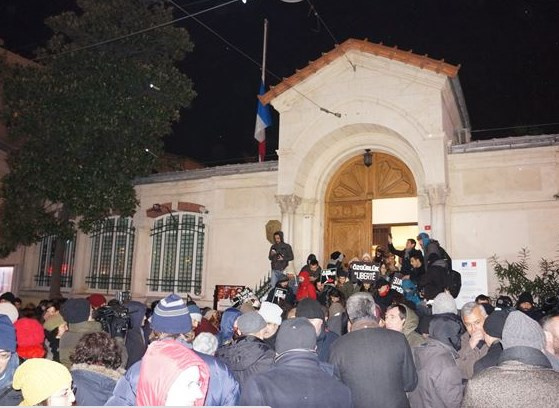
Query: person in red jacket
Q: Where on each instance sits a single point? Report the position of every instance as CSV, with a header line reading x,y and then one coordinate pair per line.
x,y
306,288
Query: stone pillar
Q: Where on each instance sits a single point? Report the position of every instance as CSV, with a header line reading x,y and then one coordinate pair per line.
x,y
141,262
308,209
288,205
437,200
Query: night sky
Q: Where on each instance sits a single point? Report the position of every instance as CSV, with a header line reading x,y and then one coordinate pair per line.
x,y
508,51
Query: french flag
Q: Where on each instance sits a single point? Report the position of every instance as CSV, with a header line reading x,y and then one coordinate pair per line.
x,y
263,120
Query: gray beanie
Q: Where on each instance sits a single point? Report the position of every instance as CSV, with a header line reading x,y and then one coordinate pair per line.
x,y
521,330
250,323
444,303
296,334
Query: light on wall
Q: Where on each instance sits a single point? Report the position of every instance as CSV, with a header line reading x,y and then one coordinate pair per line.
x,y
368,158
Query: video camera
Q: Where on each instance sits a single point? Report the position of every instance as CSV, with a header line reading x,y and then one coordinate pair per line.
x,y
115,317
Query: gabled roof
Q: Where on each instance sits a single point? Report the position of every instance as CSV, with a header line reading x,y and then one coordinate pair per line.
x,y
393,53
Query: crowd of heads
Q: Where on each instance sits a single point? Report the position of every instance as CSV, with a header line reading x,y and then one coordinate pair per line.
x,y
338,336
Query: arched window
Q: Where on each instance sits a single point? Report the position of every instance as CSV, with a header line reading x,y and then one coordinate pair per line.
x,y
46,260
177,253
112,250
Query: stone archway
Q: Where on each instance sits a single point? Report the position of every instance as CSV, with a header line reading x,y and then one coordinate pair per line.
x,y
348,201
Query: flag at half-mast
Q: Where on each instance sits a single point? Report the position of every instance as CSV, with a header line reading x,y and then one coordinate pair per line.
x,y
263,115
263,120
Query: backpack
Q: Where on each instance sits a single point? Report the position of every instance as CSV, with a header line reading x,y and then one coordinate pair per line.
x,y
454,282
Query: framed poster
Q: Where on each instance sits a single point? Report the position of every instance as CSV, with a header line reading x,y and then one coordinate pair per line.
x,y
474,279
224,295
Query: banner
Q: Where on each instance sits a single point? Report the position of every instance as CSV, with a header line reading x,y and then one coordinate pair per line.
x,y
328,275
224,294
241,297
365,272
396,282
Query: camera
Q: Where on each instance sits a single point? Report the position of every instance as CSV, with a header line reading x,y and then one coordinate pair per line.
x,y
114,319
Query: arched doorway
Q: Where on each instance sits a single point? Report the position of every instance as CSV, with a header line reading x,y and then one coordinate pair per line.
x,y
348,209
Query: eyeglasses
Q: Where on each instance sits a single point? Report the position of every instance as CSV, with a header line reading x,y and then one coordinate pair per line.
x,y
5,355
71,391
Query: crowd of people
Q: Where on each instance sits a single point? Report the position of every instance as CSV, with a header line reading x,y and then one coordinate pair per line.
x,y
319,339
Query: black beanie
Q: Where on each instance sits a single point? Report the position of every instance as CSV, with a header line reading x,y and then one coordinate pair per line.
x,y
525,297
495,322
296,333
310,309
75,310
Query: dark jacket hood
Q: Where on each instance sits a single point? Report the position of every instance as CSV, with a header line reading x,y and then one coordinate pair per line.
x,y
137,312
226,326
244,353
525,355
280,233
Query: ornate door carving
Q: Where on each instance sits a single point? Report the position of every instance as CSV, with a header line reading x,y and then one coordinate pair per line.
x,y
349,196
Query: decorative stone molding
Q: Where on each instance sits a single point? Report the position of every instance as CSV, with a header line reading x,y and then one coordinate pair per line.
x,y
288,203
438,194
308,206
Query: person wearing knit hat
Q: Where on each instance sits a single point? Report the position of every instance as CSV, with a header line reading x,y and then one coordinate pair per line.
x,y
30,338
272,315
523,377
312,310
9,362
77,313
249,354
97,300
444,303
195,315
493,328
205,343
171,316
6,308
44,382
296,363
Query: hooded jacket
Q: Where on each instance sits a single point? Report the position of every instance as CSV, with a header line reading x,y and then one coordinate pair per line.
x,y
135,341
94,384
162,364
439,378
227,324
246,356
306,288
223,389
523,378
70,339
282,249
410,324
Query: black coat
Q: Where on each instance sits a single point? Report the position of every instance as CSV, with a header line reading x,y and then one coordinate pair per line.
x,y
296,380
491,359
377,365
246,356
405,255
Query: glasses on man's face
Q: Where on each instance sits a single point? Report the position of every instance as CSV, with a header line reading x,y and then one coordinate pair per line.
x,y
67,393
5,355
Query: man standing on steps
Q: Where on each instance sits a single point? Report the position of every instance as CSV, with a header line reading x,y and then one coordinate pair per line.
x,y
405,254
280,254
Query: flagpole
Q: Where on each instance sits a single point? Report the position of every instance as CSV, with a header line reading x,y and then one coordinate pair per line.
x,y
263,116
262,145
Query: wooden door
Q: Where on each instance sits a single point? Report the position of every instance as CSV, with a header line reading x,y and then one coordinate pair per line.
x,y
349,198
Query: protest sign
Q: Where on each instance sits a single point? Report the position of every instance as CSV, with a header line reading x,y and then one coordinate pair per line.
x,y
365,272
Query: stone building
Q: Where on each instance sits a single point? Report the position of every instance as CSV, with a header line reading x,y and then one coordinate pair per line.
x,y
372,139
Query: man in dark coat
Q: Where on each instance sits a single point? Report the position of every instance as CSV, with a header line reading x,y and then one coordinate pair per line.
x,y
135,340
280,254
375,363
523,377
405,254
249,354
296,380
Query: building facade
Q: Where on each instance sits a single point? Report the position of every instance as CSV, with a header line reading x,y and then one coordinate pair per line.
x,y
200,228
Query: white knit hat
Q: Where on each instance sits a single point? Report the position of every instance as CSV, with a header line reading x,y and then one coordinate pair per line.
x,y
271,312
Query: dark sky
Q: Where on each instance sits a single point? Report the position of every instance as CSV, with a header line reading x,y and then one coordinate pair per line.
x,y
508,51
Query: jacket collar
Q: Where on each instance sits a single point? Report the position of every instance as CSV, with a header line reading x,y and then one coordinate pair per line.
x,y
364,324
525,355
